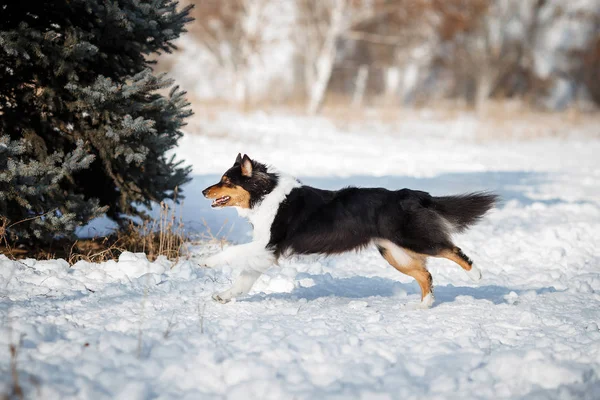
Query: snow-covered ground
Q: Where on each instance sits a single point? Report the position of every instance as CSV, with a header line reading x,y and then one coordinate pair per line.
x,y
345,326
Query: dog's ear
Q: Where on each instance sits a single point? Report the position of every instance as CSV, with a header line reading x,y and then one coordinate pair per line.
x,y
246,166
238,159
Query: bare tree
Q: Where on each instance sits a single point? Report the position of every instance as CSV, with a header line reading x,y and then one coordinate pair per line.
x,y
490,41
320,25
494,52
232,32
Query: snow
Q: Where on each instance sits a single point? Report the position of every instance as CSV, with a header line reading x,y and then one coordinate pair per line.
x,y
348,326
416,147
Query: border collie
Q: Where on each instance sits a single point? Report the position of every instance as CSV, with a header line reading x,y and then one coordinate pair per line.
x,y
406,226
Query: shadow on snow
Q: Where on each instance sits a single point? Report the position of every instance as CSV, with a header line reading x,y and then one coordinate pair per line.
x,y
359,287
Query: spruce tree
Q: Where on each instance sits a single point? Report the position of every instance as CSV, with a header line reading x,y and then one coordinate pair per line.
x,y
84,127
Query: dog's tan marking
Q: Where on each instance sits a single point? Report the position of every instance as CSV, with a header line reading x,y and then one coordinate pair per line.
x,y
453,255
238,195
407,262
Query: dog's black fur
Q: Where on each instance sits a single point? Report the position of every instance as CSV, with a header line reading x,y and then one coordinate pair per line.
x,y
313,220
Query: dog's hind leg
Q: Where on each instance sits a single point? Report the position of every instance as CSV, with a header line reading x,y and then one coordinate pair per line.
x,y
456,254
411,264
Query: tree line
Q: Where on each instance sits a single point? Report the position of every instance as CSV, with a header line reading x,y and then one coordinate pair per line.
x,y
544,52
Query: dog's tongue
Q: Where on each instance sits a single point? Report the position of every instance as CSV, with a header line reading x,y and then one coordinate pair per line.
x,y
220,200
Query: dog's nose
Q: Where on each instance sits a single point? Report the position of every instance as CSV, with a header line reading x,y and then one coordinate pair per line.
x,y
205,192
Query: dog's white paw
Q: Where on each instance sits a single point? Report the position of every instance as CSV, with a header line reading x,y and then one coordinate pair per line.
x,y
474,274
427,301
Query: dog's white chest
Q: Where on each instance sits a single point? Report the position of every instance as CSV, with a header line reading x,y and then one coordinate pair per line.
x,y
263,214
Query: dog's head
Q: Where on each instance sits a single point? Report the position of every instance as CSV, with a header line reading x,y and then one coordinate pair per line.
x,y
243,185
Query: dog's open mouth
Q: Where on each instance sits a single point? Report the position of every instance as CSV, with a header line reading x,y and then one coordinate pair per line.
x,y
221,201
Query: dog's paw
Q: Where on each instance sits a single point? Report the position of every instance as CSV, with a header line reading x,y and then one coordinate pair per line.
x,y
427,301
220,298
474,273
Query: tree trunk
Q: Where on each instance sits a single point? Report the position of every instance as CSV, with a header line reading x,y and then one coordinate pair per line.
x,y
359,87
241,90
409,83
326,59
392,84
484,88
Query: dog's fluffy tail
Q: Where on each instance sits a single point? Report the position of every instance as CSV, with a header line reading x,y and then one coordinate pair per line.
x,y
464,210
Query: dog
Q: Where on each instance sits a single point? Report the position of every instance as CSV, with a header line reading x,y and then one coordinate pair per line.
x,y
407,226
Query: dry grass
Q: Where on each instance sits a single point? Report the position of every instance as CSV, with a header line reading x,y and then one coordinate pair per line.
x,y
161,236
5,245
164,235
16,390
219,237
3,227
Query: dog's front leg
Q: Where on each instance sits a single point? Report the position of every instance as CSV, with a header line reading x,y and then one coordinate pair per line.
x,y
241,286
255,260
230,255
